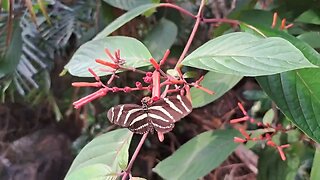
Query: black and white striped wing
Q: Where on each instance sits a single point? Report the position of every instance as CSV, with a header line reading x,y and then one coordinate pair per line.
x,y
131,116
165,112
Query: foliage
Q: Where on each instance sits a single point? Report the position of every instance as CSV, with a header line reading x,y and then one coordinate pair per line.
x,y
283,66
250,42
104,156
199,155
43,37
133,51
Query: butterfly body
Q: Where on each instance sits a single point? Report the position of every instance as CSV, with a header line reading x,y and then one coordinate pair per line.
x,y
159,116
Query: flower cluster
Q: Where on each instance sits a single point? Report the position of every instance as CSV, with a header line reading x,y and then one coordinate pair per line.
x,y
266,136
283,22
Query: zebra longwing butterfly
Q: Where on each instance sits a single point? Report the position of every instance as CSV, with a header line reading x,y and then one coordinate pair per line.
x,y
160,115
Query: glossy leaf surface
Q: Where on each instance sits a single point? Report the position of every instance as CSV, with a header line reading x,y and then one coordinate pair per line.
x,y
199,156
123,19
106,154
297,94
127,5
217,82
245,54
131,50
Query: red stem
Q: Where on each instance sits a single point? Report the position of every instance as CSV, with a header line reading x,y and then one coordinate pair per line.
x,y
194,30
183,11
134,156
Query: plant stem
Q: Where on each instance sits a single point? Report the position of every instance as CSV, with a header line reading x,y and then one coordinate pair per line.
x,y
210,20
183,11
194,30
134,156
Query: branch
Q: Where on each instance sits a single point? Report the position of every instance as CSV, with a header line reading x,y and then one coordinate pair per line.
x,y
187,47
134,156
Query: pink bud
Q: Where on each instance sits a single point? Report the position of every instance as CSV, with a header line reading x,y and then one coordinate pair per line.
x,y
242,108
149,74
127,89
154,63
138,85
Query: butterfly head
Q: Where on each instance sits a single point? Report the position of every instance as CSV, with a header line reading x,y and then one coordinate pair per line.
x,y
146,102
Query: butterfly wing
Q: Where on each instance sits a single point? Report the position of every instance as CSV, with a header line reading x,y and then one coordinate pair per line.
x,y
175,107
161,115
165,112
131,116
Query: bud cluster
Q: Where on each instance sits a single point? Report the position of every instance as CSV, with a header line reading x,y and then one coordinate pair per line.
x,y
266,136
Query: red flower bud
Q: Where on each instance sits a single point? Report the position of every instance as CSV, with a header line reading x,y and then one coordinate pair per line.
x,y
271,143
274,21
245,118
147,79
165,56
110,55
282,155
127,89
78,104
149,74
138,85
155,64
106,63
239,140
86,84
283,24
94,74
242,109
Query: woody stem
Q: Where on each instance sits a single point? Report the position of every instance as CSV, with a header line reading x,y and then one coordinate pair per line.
x,y
134,156
194,30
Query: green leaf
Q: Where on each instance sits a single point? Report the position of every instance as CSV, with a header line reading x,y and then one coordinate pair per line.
x,y
315,173
127,5
247,55
268,117
312,55
254,95
309,17
11,58
109,149
199,156
257,16
312,38
5,5
120,21
131,50
161,38
217,82
297,94
95,171
292,90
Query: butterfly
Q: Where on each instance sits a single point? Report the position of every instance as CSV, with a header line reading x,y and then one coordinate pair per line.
x,y
159,115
